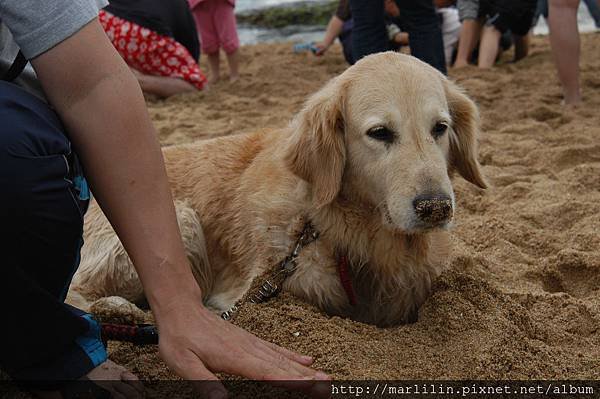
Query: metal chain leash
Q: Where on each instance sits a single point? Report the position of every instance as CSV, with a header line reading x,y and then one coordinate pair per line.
x,y
144,334
272,285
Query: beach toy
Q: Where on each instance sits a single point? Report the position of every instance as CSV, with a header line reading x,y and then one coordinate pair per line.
x,y
302,47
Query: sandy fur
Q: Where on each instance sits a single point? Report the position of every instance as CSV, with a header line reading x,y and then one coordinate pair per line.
x,y
241,200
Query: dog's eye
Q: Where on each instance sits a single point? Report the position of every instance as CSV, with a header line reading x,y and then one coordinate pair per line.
x,y
381,133
439,129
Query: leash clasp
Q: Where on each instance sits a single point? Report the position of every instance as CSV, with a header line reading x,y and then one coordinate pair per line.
x,y
271,286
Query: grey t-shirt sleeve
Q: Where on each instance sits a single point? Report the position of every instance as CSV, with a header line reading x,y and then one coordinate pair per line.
x,y
39,25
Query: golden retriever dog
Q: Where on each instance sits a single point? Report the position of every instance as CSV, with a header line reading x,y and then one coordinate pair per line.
x,y
367,161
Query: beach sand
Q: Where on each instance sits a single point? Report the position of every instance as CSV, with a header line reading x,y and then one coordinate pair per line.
x,y
521,296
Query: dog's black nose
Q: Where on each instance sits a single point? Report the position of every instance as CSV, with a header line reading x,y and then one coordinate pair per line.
x,y
433,209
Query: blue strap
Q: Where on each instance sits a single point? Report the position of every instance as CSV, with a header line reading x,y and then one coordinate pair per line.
x,y
91,343
82,187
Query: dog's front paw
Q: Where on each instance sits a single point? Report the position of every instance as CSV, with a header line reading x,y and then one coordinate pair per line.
x,y
114,309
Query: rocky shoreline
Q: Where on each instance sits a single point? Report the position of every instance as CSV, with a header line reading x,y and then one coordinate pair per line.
x,y
298,13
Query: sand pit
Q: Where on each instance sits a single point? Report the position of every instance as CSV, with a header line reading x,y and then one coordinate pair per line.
x,y
521,298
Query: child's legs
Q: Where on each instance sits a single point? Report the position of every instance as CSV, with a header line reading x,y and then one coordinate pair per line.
x,y
521,46
213,67
488,48
469,35
209,36
227,32
233,62
517,16
468,11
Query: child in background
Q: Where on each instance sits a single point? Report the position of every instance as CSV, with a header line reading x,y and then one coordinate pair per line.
x,y
216,23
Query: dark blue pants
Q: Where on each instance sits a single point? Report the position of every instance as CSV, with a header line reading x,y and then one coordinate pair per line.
x,y
41,214
369,35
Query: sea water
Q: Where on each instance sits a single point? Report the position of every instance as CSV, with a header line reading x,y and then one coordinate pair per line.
x,y
242,5
293,33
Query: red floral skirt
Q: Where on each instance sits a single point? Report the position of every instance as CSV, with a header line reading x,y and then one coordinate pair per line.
x,y
151,53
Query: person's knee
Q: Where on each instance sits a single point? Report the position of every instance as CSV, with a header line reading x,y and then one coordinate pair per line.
x,y
33,147
210,48
492,31
28,126
17,142
230,46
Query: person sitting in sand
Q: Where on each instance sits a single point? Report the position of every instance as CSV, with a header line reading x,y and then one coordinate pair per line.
x,y
216,23
88,120
159,42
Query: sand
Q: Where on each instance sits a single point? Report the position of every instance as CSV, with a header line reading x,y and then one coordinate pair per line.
x,y
521,296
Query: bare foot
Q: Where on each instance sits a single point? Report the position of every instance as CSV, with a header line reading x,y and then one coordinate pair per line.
x,y
234,78
460,64
571,101
107,379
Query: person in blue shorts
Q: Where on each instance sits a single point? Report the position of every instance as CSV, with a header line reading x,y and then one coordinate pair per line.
x,y
74,116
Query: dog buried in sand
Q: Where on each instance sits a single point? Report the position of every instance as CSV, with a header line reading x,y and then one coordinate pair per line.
x,y
365,165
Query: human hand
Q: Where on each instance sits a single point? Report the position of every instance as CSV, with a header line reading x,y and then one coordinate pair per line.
x,y
444,3
321,48
196,343
391,8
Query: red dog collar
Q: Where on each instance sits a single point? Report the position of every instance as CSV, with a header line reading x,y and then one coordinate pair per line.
x,y
344,272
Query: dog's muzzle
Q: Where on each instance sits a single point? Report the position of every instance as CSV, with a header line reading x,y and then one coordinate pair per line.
x,y
433,210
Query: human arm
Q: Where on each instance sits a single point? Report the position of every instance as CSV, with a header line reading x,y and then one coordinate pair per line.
x,y
334,28
162,86
396,36
102,107
391,8
401,38
489,47
444,3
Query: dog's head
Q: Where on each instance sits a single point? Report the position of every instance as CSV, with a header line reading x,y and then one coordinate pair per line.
x,y
388,132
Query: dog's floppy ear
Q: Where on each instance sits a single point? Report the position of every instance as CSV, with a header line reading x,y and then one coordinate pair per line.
x,y
317,151
463,135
